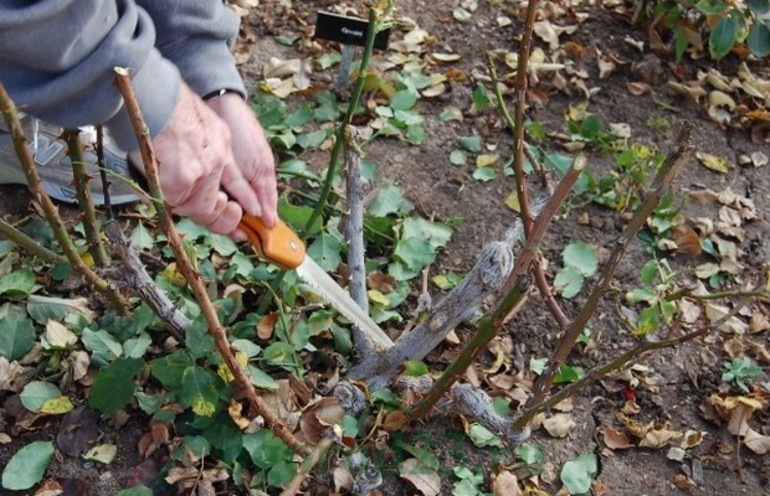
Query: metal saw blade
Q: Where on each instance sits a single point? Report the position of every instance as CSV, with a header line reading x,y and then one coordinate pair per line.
x,y
326,287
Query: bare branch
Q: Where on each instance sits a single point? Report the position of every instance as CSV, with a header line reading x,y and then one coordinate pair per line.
x,y
215,329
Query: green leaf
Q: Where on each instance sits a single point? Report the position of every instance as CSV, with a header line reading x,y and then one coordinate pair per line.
x,y
300,117
281,473
482,437
436,234
312,140
758,40
36,393
141,237
261,379
297,217
458,157
27,466
590,127
759,7
17,336
114,385
140,490
447,280
480,98
389,200
649,320
199,390
484,174
328,60
169,369
266,449
415,253
415,368
641,294
723,36
568,282
103,346
576,474
325,250
581,257
711,7
223,245
403,100
470,143
568,373
198,341
415,134
280,354
18,283
649,272
530,453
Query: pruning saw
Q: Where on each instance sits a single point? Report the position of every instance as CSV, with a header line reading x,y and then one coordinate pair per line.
x,y
282,247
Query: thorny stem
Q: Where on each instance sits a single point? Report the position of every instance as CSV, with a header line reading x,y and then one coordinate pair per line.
x,y
103,171
30,244
633,354
215,328
49,209
85,201
674,162
512,293
517,130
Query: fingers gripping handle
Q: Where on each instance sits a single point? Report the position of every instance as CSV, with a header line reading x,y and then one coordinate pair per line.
x,y
279,245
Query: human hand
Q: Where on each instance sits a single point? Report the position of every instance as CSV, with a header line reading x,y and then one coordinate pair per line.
x,y
196,166
253,156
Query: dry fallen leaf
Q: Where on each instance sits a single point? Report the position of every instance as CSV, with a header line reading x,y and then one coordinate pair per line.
x,y
658,438
560,425
425,480
504,483
615,439
266,326
686,239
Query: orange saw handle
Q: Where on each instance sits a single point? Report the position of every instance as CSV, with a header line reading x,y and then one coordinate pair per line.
x,y
279,245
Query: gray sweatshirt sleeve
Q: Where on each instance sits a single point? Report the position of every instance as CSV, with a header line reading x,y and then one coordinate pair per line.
x,y
57,56
197,35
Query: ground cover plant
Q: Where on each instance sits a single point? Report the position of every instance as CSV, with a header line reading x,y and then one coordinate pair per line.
x,y
290,398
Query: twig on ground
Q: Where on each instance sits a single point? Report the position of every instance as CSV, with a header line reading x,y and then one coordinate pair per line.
x,y
215,329
49,209
673,163
134,277
354,236
634,354
85,201
30,244
309,462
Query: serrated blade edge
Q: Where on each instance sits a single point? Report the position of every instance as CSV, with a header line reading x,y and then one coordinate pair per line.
x,y
326,287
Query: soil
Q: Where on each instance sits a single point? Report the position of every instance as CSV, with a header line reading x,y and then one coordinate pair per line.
x,y
687,375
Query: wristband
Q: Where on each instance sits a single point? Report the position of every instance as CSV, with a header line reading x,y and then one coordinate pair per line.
x,y
221,92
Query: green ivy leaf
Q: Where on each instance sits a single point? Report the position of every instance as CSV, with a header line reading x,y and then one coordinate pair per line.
x,y
649,272
758,40
581,257
415,368
18,283
711,7
114,385
169,369
17,336
198,341
308,141
568,282
568,373
403,100
415,253
576,474
102,345
482,437
470,143
36,393
199,391
484,174
140,490
458,157
281,473
641,294
759,7
266,449
480,98
436,234
415,134
261,379
530,453
325,251
27,466
649,320
297,217
723,37
389,200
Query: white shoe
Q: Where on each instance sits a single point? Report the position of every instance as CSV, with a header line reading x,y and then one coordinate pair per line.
x,y
55,168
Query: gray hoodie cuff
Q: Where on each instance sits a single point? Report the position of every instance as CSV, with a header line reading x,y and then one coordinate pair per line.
x,y
156,84
208,67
